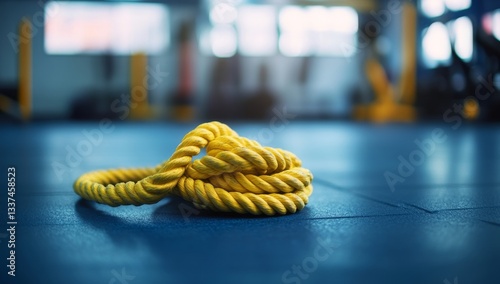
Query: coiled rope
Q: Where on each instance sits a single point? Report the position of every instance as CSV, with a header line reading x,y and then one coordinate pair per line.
x,y
236,175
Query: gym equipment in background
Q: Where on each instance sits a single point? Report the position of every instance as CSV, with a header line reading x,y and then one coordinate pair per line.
x,y
394,103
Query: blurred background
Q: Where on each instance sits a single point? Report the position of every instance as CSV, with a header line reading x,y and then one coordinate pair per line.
x,y
368,93
364,60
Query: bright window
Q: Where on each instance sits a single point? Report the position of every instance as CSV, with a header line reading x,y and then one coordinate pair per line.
x,y
223,40
463,38
432,8
496,24
294,38
330,31
257,30
252,30
116,28
436,45
457,5
223,13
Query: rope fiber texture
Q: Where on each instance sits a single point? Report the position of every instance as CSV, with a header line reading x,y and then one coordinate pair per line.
x,y
235,175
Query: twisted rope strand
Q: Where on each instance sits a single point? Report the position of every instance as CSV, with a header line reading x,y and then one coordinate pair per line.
x,y
236,175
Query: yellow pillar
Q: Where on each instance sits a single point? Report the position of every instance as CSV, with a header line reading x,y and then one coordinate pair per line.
x,y
25,63
139,107
409,45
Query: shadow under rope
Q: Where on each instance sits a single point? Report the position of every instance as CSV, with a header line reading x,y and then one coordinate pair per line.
x,y
175,241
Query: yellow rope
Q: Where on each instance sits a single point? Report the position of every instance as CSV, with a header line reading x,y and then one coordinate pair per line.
x,y
236,175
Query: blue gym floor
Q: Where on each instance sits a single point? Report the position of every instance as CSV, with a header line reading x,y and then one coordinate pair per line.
x,y
440,222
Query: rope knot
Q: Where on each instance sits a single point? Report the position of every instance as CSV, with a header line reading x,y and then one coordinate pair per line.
x,y
235,175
